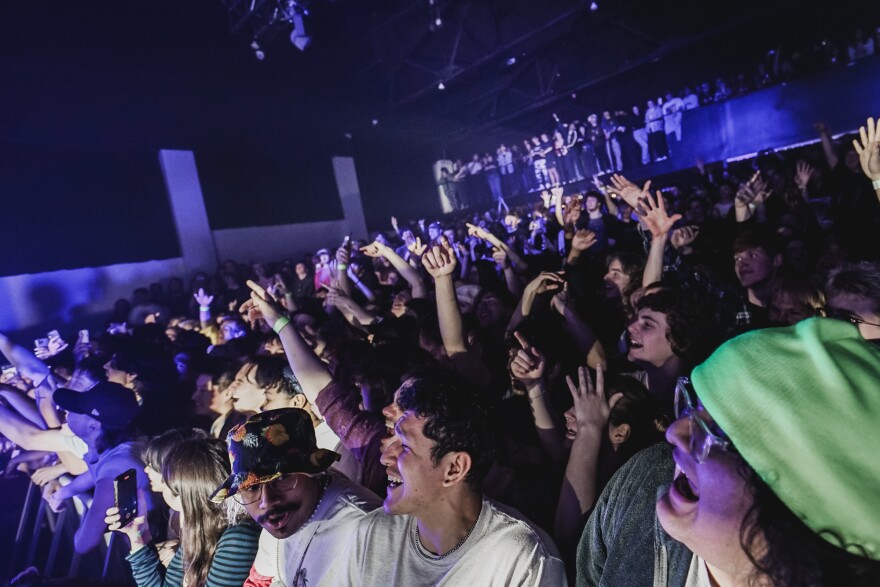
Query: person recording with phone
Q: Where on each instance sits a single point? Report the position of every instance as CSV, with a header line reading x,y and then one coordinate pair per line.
x,y
212,552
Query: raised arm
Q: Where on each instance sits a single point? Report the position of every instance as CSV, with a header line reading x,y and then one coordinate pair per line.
x,y
528,368
440,263
750,195
311,373
579,490
518,263
23,360
659,223
868,148
827,144
588,344
412,277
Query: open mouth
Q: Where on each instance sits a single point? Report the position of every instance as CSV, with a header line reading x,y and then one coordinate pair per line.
x,y
277,520
394,481
635,345
686,488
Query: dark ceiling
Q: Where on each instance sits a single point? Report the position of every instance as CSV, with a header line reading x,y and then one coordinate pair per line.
x,y
506,64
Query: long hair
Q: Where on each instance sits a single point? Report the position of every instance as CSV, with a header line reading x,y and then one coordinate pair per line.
x,y
786,551
192,471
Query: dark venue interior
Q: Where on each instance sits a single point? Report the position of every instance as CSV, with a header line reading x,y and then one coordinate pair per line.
x,y
421,292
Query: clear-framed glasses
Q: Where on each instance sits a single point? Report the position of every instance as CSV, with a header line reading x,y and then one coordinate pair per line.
x,y
848,316
702,438
280,485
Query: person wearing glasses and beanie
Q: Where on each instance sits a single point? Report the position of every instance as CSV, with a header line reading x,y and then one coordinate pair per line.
x,y
280,478
773,466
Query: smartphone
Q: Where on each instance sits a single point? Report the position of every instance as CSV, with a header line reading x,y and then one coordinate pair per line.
x,y
41,343
54,334
125,490
84,336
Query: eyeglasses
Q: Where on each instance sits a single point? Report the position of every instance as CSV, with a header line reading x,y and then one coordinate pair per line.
x,y
848,316
702,438
278,485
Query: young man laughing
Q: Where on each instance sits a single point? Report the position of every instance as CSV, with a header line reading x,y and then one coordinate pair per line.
x,y
435,518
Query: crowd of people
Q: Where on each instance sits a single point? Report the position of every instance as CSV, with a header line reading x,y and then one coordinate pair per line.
x,y
627,137
618,387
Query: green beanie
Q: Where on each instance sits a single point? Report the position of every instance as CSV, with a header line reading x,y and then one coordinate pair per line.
x,y
802,406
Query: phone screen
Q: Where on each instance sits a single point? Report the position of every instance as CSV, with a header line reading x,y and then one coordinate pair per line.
x,y
41,343
125,489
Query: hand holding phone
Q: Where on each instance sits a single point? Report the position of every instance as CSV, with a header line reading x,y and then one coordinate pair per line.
x,y
125,491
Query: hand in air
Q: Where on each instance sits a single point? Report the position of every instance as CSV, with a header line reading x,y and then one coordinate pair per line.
x,y
528,364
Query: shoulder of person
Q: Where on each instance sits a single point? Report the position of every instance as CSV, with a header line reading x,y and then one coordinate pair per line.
x,y
508,522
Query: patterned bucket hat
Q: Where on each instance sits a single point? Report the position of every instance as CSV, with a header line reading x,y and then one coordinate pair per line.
x,y
269,445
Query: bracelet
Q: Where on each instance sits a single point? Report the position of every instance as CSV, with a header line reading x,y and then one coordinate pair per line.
x,y
280,324
876,184
204,308
342,266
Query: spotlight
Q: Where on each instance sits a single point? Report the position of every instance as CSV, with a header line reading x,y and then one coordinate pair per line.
x,y
594,7
299,41
299,36
510,61
438,22
375,122
258,52
441,86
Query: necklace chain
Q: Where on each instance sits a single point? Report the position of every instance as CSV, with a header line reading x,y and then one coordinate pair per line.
x,y
324,482
451,550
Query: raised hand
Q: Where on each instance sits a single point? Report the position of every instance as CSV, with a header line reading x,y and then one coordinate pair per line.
x,y
337,297
343,255
655,217
479,232
630,192
591,409
583,239
440,261
417,248
528,364
545,282
203,298
374,249
684,236
598,184
394,223
561,301
500,258
261,305
755,191
803,174
868,148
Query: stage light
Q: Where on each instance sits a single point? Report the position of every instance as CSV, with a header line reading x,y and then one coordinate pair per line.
x,y
441,86
258,52
594,7
510,61
375,122
438,22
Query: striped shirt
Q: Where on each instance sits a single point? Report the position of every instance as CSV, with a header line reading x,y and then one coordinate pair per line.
x,y
230,567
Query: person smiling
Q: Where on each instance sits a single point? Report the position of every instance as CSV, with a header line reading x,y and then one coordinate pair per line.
x,y
434,517
740,509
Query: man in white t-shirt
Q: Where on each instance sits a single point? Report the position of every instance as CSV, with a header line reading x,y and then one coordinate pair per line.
x,y
436,522
280,476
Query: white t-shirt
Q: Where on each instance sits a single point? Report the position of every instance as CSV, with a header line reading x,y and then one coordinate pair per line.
x,y
306,556
503,549
348,465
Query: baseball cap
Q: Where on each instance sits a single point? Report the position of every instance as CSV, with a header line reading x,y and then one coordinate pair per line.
x,y
111,404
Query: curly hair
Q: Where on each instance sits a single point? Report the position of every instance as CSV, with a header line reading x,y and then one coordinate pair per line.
x,y
456,419
786,551
690,330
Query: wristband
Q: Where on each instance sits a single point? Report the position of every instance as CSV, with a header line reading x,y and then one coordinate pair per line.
x,y
280,324
342,266
204,308
876,184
